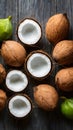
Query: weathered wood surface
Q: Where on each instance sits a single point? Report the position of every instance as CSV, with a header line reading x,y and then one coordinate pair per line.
x,y
40,10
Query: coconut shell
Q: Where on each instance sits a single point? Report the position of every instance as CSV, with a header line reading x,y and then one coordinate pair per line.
x,y
63,52
64,79
29,101
45,53
45,96
13,53
2,73
11,91
29,45
57,28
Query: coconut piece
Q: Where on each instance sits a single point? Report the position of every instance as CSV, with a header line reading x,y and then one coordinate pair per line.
x,y
13,53
16,81
19,106
2,73
57,28
38,64
46,96
29,31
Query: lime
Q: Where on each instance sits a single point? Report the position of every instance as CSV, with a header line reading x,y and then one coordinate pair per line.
x,y
5,28
67,108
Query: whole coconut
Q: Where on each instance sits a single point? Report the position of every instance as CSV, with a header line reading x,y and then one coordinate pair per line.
x,y
46,96
57,28
13,53
3,99
2,73
63,52
64,79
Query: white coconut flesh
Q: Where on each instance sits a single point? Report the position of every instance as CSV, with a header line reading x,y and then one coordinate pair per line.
x,y
19,106
29,31
16,81
38,65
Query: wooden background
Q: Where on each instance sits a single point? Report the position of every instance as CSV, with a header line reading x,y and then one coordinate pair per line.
x,y
41,10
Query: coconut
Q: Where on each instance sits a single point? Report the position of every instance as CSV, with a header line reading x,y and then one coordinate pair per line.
x,y
64,79
63,52
16,81
57,28
13,53
19,106
29,31
38,64
46,96
3,99
2,73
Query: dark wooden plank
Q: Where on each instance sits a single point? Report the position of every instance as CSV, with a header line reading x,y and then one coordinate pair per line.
x,y
65,7
12,9
41,10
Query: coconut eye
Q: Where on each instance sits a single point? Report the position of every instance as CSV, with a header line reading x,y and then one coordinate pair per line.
x,y
29,31
38,64
19,106
16,81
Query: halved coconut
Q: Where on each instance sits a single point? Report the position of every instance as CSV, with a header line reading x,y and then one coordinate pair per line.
x,y
19,105
16,81
38,64
29,31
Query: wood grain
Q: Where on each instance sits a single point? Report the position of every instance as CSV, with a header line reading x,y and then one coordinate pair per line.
x,y
41,10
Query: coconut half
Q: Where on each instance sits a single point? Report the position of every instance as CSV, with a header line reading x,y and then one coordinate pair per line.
x,y
29,31
16,81
19,105
38,64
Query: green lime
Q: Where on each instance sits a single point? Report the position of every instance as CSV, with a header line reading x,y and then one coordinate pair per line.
x,y
67,108
5,28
